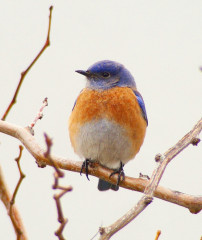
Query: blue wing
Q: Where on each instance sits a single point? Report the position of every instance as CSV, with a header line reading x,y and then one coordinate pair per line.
x,y
74,105
76,100
142,105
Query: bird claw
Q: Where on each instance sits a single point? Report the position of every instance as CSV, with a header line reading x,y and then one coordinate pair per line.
x,y
85,166
120,172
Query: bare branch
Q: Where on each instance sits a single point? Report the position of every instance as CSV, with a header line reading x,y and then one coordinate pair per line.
x,y
4,193
49,144
107,232
24,73
158,234
146,199
22,175
12,210
193,203
57,175
39,114
18,230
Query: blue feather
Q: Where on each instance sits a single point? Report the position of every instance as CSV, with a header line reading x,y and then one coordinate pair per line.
x,y
141,104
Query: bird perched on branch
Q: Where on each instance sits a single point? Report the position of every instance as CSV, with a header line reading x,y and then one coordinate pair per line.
x,y
108,121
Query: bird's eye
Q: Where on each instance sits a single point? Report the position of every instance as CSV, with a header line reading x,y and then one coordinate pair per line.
x,y
105,74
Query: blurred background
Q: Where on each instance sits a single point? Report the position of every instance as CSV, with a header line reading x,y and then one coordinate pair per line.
x,y
160,42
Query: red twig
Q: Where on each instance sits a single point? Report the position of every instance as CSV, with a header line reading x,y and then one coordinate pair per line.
x,y
22,175
24,73
49,144
5,198
158,233
57,175
17,227
61,219
39,114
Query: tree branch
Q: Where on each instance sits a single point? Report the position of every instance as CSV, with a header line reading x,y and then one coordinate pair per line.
x,y
39,115
11,213
4,193
56,186
24,73
14,215
158,233
107,232
193,203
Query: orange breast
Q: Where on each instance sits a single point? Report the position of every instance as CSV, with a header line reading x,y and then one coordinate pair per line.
x,y
118,104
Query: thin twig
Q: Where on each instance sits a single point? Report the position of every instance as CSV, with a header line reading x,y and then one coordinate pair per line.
x,y
8,202
57,175
39,114
22,175
5,197
158,233
4,193
18,230
193,203
49,144
24,73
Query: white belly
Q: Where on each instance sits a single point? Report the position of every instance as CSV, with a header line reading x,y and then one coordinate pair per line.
x,y
105,142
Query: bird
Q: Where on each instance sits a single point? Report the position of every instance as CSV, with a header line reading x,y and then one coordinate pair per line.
x,y
108,121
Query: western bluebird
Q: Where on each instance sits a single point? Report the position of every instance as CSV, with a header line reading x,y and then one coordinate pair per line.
x,y
108,121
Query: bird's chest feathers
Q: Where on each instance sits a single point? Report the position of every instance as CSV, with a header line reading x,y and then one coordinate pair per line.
x,y
104,125
105,142
116,104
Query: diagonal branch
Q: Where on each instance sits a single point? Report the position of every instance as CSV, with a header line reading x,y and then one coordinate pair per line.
x,y
190,138
39,115
24,73
158,233
193,203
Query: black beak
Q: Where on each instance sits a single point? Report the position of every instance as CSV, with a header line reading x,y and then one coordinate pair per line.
x,y
85,73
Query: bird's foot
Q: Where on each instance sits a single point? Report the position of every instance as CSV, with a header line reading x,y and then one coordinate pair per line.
x,y
85,167
120,172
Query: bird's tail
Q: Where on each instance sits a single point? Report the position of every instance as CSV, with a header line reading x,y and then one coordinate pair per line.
x,y
103,186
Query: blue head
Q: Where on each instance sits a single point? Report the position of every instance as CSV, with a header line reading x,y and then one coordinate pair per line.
x,y
108,74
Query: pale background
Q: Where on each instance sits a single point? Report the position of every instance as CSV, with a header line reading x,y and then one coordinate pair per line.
x,y
160,42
